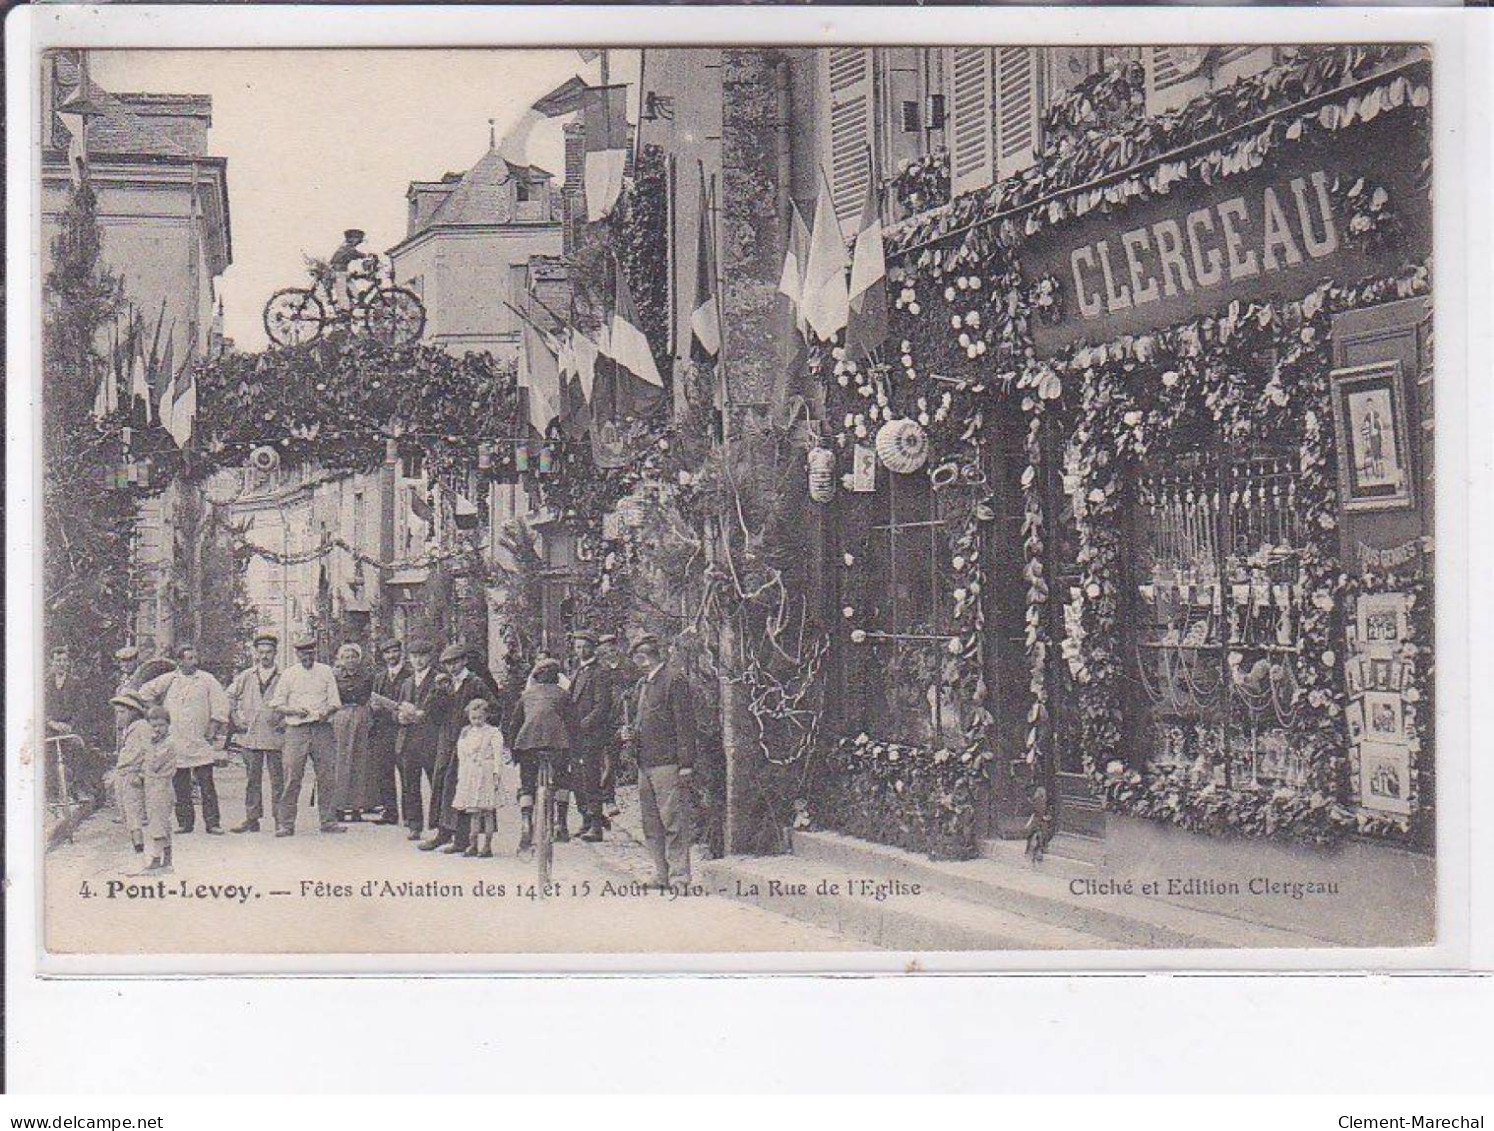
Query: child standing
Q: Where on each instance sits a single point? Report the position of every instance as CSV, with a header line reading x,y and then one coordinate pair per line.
x,y
129,767
479,767
158,767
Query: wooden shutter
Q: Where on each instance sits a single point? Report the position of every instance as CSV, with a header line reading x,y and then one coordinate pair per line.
x,y
1173,77
847,78
971,136
1018,109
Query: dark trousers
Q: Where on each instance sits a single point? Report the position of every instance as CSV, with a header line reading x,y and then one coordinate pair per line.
x,y
607,779
181,784
444,813
586,779
256,762
412,766
529,763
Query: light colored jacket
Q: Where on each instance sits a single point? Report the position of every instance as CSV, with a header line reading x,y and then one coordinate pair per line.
x,y
256,727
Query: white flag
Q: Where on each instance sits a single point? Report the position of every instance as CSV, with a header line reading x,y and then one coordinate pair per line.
x,y
826,303
602,181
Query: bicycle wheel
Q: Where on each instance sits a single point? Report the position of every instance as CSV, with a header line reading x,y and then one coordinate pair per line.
x,y
294,316
544,822
393,315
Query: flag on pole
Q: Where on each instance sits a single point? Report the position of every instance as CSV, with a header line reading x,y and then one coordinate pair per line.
x,y
705,317
826,304
74,115
140,390
106,400
183,400
540,378
604,117
791,281
626,343
584,354
867,327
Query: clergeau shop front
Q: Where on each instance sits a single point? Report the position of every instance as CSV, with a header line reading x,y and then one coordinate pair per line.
x,y
1135,505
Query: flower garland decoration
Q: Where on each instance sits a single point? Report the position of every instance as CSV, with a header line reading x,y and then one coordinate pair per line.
x,y
922,183
339,400
923,800
1066,161
1135,393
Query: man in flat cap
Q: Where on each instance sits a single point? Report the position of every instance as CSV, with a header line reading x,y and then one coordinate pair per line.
x,y
462,683
384,731
306,697
259,732
662,732
418,714
591,695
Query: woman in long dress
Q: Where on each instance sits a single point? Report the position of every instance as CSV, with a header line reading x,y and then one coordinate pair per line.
x,y
356,778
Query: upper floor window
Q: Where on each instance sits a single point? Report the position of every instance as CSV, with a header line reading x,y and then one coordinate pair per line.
x,y
1177,74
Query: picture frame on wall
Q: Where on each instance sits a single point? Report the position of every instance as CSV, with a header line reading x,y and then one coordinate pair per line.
x,y
1385,778
1384,720
1381,621
1370,424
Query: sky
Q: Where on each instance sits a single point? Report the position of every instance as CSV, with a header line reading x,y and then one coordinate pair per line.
x,y
321,141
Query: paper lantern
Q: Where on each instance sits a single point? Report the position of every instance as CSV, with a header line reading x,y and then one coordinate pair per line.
x,y
902,446
821,475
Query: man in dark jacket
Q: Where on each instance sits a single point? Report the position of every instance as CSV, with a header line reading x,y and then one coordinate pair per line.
x,y
383,733
462,684
662,732
421,697
541,726
592,702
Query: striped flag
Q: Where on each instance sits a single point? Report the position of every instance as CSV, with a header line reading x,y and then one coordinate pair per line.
x,y
705,318
826,302
605,120
867,328
791,281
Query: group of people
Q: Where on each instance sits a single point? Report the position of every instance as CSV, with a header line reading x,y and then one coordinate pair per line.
x,y
423,740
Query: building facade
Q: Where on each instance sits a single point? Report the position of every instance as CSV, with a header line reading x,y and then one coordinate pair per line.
x,y
1159,332
165,233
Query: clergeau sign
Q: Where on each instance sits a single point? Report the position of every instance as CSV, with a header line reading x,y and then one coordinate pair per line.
x,y
1276,232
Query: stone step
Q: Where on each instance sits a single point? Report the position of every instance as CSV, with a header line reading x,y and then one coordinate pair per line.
x,y
1058,891
931,920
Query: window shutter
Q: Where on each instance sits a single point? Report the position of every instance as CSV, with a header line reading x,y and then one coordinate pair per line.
x,y
848,90
971,135
1017,109
1173,77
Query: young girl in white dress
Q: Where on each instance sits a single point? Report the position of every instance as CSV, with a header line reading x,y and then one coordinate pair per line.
x,y
480,757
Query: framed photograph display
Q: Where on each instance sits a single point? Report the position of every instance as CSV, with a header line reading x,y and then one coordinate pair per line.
x,y
1384,720
1385,777
1381,618
1369,414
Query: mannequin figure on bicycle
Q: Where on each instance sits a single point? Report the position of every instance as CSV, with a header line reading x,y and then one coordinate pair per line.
x,y
342,262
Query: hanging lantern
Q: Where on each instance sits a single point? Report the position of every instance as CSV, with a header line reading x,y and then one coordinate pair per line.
x,y
821,474
902,446
521,457
484,456
546,460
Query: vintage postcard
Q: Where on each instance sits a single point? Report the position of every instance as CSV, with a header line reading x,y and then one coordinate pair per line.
x,y
689,500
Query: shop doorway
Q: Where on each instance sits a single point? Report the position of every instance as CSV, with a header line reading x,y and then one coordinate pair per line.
x,y
1073,797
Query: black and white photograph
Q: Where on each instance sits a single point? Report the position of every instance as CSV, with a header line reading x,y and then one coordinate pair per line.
x,y
735,500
